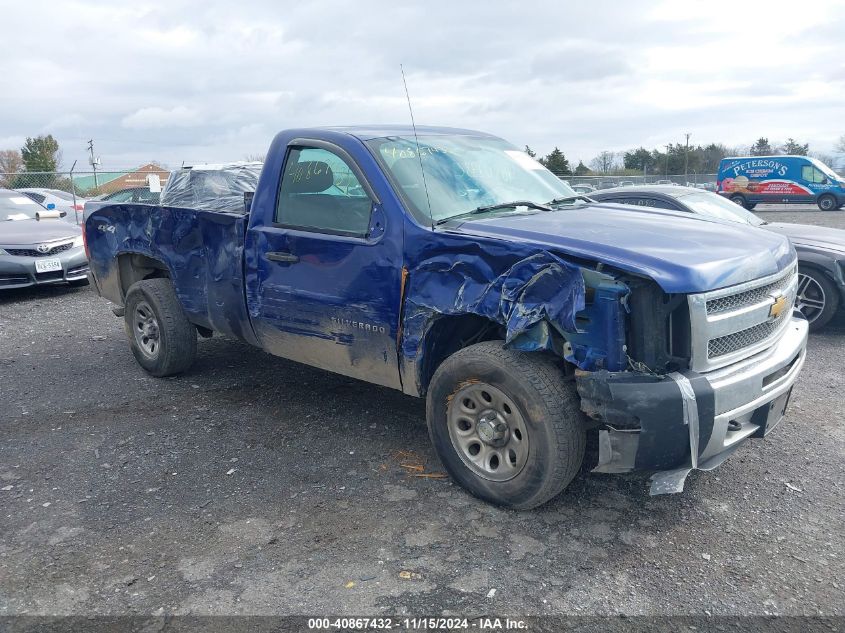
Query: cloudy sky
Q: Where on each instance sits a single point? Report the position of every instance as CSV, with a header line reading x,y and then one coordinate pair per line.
x,y
209,81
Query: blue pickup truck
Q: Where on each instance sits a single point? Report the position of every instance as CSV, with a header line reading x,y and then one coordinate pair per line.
x,y
450,265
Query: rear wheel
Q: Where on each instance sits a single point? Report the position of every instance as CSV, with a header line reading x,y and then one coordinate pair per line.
x,y
817,297
740,200
162,339
506,424
827,202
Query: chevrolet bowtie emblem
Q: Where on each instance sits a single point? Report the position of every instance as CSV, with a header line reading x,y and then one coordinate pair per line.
x,y
777,307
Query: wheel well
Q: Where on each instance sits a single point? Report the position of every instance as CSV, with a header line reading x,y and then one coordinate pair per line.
x,y
449,333
133,267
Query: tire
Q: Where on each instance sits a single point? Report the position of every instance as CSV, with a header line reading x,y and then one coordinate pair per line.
x,y
740,200
162,339
750,206
530,403
827,202
818,297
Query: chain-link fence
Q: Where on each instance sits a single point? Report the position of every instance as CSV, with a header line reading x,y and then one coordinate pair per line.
x,y
69,191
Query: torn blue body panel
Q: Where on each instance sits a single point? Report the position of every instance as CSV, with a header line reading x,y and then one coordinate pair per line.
x,y
539,288
538,297
202,250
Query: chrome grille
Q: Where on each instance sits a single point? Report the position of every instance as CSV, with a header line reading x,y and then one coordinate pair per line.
x,y
744,299
745,338
733,323
31,252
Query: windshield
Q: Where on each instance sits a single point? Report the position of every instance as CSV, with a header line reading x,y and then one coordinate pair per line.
x,y
716,206
463,173
18,208
827,171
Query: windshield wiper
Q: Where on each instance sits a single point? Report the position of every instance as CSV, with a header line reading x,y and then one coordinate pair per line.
x,y
571,199
501,205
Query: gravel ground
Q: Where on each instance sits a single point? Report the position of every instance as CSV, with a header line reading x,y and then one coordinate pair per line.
x,y
256,485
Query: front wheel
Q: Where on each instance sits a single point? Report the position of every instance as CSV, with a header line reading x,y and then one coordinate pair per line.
x,y
817,298
162,339
506,424
827,202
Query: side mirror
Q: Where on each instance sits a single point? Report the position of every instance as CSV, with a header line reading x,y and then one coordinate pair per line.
x,y
62,214
248,196
50,206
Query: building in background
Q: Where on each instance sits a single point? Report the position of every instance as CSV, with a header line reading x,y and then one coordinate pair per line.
x,y
111,181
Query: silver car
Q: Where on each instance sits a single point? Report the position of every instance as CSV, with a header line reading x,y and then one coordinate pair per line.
x,y
37,251
72,205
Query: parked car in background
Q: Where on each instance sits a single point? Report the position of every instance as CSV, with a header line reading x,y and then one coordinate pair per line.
x,y
141,195
606,184
62,201
751,180
665,182
34,251
218,187
626,183
821,250
583,188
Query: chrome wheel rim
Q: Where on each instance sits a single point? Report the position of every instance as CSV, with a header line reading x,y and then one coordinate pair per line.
x,y
146,330
488,432
810,299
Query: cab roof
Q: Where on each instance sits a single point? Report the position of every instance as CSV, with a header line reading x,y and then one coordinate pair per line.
x,y
368,132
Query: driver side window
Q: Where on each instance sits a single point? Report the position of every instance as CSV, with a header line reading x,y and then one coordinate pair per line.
x,y
320,192
811,174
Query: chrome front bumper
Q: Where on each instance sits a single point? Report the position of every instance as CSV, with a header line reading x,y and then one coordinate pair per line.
x,y
749,399
679,422
743,388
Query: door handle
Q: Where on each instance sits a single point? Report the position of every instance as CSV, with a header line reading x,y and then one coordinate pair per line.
x,y
288,258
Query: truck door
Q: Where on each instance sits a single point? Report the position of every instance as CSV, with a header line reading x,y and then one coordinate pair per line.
x,y
324,268
813,180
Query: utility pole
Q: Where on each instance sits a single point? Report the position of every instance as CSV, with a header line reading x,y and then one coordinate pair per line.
x,y
93,162
667,160
686,159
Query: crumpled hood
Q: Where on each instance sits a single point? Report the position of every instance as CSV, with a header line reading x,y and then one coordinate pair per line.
x,y
14,232
809,235
683,253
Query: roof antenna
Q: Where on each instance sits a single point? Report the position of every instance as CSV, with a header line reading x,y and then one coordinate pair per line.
x,y
417,141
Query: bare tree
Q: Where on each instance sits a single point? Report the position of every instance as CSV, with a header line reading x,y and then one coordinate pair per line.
x,y
255,158
604,163
840,145
11,162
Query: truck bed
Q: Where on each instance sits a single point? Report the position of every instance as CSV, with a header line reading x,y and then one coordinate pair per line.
x,y
202,250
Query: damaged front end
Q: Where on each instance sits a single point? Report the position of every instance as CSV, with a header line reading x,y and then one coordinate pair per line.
x,y
656,405
665,414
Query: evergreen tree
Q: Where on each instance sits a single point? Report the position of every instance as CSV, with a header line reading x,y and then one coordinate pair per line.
x,y
794,148
556,163
761,147
41,153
